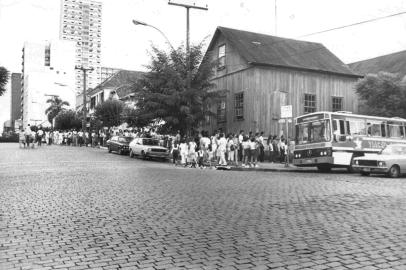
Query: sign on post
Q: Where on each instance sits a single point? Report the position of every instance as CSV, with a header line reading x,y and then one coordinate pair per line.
x,y
286,111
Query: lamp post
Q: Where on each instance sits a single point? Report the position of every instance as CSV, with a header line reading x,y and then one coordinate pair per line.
x,y
84,70
136,22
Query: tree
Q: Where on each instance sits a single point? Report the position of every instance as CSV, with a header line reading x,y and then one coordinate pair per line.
x,y
382,94
110,112
67,119
56,106
4,75
164,95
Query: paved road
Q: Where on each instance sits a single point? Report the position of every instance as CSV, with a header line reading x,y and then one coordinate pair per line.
x,y
82,208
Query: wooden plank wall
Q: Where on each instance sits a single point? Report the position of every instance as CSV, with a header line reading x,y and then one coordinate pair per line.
x,y
266,87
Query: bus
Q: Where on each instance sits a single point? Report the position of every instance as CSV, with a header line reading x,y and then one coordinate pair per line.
x,y
332,139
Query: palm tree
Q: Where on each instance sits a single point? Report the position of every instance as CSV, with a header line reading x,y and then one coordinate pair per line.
x,y
56,106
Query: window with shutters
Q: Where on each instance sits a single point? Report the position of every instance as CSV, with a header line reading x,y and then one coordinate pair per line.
x,y
221,56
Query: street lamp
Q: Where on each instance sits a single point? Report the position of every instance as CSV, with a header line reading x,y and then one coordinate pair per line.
x,y
135,22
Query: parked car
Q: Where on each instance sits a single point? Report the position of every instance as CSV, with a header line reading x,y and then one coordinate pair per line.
x,y
390,161
119,144
148,148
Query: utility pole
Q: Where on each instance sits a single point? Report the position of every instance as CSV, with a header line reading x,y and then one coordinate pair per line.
x,y
188,7
84,109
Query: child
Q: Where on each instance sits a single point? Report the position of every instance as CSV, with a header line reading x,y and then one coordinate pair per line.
x,y
183,148
175,153
200,155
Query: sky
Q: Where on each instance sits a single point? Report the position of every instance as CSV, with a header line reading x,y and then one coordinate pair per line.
x,y
126,46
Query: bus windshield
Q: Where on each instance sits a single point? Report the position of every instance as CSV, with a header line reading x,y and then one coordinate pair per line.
x,y
313,132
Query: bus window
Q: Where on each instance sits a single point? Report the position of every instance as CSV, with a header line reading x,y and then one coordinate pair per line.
x,y
357,127
402,131
347,124
375,130
395,131
383,130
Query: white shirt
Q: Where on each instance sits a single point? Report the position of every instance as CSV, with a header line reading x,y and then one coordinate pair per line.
x,y
222,143
240,138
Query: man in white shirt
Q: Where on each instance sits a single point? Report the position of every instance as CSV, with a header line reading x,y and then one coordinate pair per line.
x,y
222,147
27,133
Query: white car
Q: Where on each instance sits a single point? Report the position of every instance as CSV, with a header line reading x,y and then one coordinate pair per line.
x,y
390,161
148,148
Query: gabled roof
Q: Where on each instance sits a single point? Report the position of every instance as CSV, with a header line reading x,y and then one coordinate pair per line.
x,y
393,63
260,49
123,79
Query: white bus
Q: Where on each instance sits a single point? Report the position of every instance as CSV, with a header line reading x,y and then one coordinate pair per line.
x,y
332,139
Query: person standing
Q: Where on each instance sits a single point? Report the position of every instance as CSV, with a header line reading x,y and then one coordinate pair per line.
x,y
240,148
27,133
40,133
21,138
261,147
230,149
222,147
270,148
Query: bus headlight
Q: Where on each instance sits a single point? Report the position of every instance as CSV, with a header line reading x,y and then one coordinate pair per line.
x,y
356,162
321,153
381,163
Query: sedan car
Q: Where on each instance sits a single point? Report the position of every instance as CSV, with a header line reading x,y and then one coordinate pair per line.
x,y
148,148
119,144
390,161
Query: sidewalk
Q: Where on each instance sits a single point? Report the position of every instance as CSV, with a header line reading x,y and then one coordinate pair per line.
x,y
274,167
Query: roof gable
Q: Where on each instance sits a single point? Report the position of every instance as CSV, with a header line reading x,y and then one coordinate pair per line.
x,y
393,63
263,49
123,79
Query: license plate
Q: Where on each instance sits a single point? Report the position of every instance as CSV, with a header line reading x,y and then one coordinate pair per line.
x,y
309,161
366,169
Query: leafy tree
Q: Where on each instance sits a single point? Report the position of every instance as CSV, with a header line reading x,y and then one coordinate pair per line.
x,y
56,106
110,112
4,75
382,94
67,119
164,95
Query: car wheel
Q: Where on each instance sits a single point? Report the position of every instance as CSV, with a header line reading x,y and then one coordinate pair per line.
x,y
365,173
325,168
394,171
143,155
109,148
131,153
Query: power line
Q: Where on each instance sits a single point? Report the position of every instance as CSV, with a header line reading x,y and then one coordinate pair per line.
x,y
354,24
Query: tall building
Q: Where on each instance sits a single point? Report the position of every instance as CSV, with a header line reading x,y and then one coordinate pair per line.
x,y
48,70
81,22
16,108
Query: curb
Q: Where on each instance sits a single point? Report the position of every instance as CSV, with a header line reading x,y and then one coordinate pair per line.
x,y
272,170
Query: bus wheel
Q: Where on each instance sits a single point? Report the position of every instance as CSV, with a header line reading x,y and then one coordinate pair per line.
x,y
324,168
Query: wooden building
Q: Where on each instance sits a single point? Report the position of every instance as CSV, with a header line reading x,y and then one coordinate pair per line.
x,y
261,72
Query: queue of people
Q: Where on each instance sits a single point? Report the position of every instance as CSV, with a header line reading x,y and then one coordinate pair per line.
x,y
202,150
245,150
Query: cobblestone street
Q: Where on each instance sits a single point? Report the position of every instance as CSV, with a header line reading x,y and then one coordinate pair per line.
x,y
83,208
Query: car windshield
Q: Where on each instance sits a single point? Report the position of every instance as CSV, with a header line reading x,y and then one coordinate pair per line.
x,y
125,139
394,150
150,142
313,132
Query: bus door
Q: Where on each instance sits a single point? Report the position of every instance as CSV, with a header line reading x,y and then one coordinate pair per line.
x,y
342,150
339,130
